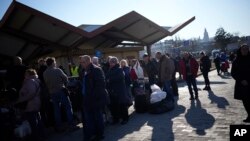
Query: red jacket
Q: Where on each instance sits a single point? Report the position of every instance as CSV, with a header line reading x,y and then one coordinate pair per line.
x,y
193,65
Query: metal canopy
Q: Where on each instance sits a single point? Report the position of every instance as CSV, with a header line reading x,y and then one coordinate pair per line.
x,y
29,33
131,27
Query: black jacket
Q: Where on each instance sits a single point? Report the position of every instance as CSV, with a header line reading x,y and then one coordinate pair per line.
x,y
116,85
241,71
95,96
205,64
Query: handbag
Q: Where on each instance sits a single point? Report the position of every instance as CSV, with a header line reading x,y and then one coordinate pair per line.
x,y
23,130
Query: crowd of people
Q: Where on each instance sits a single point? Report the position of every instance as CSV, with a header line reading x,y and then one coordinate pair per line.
x,y
110,86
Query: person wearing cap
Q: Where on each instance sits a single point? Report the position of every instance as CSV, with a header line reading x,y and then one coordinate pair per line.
x,y
205,65
241,73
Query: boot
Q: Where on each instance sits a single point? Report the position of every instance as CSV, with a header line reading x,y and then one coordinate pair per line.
x,y
191,97
206,87
196,96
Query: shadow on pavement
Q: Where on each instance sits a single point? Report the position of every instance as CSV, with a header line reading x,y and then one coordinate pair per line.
x,y
163,126
183,84
220,101
211,82
160,125
198,117
228,76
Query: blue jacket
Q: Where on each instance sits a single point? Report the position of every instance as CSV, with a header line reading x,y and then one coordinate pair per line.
x,y
126,71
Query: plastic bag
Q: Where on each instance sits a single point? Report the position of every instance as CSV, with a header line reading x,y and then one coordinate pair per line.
x,y
23,130
155,88
157,96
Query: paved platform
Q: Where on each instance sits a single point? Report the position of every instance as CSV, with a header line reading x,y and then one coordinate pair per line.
x,y
206,119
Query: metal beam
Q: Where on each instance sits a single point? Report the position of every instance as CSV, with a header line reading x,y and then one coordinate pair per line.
x,y
149,35
32,38
22,49
31,17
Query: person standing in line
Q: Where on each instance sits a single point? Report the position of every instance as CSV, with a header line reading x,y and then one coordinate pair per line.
x,y
173,81
178,58
119,100
189,69
217,63
241,73
205,65
94,96
150,69
55,80
126,70
95,61
15,74
231,57
30,93
136,73
165,72
74,70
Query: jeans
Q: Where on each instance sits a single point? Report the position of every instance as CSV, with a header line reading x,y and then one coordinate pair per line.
x,y
37,128
60,99
192,81
93,123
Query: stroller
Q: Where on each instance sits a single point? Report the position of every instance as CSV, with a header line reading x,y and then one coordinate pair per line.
x,y
224,67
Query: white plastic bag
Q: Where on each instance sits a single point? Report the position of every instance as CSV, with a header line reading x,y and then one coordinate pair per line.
x,y
157,96
155,88
23,130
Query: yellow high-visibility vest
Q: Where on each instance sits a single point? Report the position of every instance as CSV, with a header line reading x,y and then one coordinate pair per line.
x,y
74,71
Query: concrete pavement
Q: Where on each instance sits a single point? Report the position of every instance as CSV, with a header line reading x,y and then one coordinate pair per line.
x,y
205,119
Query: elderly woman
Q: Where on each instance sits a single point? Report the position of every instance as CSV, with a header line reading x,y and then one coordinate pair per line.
x,y
126,70
240,72
117,90
30,94
95,61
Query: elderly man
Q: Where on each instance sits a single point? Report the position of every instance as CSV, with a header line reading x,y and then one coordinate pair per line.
x,y
94,99
55,80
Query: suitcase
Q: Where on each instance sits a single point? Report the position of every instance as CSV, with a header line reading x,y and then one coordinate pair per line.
x,y
141,98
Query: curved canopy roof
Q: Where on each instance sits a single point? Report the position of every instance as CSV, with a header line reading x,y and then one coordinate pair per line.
x,y
29,33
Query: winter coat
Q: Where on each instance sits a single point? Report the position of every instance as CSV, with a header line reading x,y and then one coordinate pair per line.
x,y
126,71
241,71
194,66
30,92
95,95
55,79
166,69
217,62
151,71
116,85
205,64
